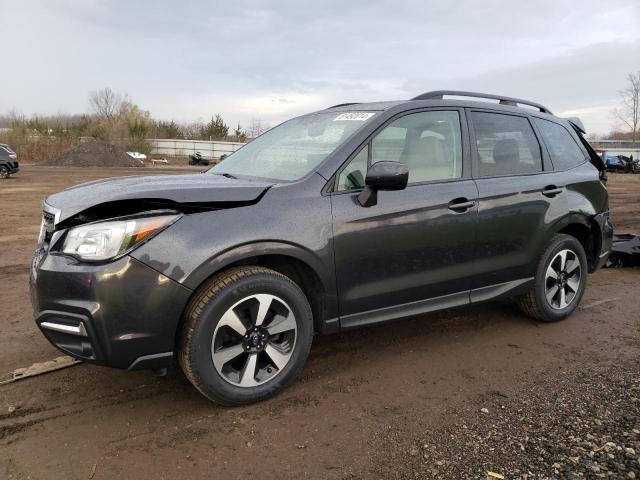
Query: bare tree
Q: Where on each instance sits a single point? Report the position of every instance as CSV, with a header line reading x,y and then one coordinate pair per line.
x,y
106,103
629,112
256,128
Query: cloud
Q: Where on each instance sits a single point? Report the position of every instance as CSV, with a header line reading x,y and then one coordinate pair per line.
x,y
188,60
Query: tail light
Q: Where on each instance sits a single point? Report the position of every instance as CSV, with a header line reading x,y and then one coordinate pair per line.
x,y
13,156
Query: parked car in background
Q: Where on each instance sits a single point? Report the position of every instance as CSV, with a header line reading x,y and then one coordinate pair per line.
x,y
8,161
198,159
620,163
350,216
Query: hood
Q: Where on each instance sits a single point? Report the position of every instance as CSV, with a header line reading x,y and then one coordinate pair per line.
x,y
195,189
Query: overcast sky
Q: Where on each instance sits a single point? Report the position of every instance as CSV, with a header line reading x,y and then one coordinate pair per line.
x,y
186,60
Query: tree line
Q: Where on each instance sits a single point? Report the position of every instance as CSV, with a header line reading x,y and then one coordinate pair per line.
x,y
115,118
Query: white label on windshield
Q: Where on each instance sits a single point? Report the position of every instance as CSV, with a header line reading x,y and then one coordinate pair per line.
x,y
357,116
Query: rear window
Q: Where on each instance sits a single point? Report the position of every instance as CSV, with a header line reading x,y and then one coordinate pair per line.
x,y
506,145
563,149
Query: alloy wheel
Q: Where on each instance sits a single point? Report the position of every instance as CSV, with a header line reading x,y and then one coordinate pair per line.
x,y
562,279
254,340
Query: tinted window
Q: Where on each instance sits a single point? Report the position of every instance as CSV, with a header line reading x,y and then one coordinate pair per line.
x,y
429,143
355,172
564,151
506,145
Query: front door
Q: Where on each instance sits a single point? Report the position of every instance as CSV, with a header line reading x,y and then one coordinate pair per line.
x,y
415,244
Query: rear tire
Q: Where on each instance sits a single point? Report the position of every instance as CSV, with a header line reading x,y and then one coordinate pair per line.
x,y
246,334
560,281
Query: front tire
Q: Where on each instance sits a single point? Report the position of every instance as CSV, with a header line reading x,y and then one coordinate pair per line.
x,y
560,281
246,334
4,172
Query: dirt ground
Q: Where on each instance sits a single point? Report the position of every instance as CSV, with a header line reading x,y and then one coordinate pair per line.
x,y
448,395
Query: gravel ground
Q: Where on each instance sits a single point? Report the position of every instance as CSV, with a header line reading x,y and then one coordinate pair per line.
x,y
583,425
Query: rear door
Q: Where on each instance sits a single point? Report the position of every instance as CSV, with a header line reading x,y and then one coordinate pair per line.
x,y
415,244
518,194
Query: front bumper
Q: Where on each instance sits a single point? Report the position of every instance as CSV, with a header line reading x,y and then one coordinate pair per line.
x,y
122,314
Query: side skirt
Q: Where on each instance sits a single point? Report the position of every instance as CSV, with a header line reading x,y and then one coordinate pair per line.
x,y
444,302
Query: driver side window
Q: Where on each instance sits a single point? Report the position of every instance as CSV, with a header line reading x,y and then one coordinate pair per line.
x,y
353,175
428,143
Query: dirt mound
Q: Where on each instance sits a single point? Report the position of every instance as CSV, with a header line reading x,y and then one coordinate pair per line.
x,y
94,153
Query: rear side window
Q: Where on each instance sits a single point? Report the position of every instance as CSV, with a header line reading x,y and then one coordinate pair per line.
x,y
563,149
506,145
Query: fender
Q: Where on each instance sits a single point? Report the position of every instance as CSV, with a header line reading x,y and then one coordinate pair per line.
x,y
589,221
254,249
569,219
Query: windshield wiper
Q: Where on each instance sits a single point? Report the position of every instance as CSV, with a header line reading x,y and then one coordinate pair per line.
x,y
228,175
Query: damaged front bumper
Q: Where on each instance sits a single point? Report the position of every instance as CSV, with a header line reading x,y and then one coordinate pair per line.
x,y
122,314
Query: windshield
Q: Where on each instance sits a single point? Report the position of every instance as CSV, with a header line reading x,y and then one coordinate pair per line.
x,y
291,150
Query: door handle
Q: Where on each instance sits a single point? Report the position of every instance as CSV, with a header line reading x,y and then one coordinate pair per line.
x,y
551,191
461,204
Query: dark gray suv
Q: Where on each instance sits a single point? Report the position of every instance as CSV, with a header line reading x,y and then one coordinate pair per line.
x,y
8,161
353,215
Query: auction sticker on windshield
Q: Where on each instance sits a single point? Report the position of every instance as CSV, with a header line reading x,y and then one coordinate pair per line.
x,y
358,116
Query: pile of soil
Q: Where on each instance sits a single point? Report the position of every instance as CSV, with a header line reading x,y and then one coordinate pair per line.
x,y
95,153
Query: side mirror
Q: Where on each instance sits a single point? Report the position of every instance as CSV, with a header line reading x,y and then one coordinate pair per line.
x,y
383,176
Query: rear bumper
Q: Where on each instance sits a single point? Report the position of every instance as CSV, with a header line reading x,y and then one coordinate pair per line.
x,y
605,228
12,167
123,314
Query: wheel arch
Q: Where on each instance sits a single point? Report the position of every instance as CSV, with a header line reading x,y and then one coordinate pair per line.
x,y
300,265
583,229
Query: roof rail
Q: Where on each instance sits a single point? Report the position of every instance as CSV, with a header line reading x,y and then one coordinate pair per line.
x,y
343,105
439,94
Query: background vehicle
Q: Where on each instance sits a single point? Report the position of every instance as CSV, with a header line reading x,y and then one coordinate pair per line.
x,y
354,215
198,159
621,164
8,161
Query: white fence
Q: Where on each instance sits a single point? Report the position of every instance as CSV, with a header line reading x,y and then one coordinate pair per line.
x,y
183,148
627,152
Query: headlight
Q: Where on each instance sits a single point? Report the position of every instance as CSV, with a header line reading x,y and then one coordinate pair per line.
x,y
109,240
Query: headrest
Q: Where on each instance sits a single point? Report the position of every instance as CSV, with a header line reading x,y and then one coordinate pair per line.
x,y
506,151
